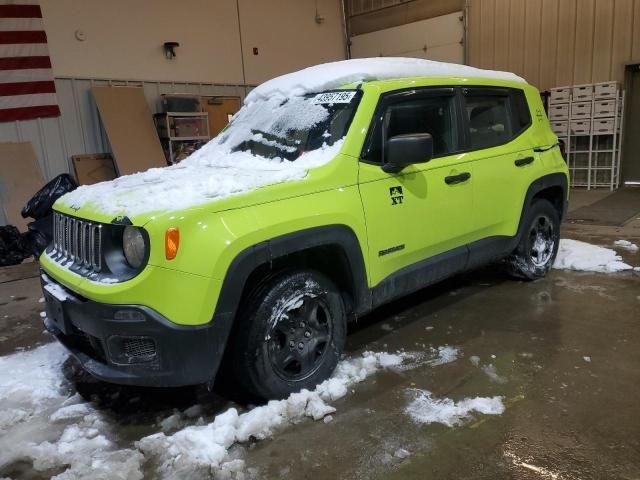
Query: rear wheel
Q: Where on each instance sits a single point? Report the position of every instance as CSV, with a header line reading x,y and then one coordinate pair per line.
x,y
538,247
290,335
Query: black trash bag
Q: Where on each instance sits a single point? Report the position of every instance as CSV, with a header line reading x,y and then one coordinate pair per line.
x,y
39,235
14,248
40,204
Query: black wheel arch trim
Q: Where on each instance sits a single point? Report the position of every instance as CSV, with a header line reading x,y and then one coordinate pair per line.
x,y
558,179
263,253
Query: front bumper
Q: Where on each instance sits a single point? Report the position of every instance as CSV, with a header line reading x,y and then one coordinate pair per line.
x,y
131,344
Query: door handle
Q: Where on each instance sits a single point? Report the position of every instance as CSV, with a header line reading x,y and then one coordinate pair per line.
x,y
461,177
523,161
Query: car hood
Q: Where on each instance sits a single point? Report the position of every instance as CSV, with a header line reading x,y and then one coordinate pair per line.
x,y
210,176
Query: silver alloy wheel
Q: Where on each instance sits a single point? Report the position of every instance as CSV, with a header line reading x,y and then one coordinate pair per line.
x,y
542,241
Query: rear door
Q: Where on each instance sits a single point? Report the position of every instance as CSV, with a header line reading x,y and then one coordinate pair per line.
x,y
504,161
425,209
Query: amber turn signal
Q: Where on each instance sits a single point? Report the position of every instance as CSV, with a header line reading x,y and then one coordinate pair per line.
x,y
171,242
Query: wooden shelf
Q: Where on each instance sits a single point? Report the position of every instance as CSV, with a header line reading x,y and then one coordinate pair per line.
x,y
184,139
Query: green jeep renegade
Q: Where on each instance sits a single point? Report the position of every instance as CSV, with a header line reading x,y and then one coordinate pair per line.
x,y
309,210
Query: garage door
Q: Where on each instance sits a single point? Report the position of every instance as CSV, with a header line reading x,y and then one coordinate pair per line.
x,y
438,38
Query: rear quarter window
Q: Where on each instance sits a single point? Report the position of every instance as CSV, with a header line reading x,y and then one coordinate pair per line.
x,y
495,116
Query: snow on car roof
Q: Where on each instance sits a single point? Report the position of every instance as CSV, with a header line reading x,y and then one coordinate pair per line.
x,y
216,171
332,75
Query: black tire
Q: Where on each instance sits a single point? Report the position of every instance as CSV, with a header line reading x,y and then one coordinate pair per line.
x,y
289,336
538,247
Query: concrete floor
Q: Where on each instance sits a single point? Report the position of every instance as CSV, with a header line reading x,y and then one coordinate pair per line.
x,y
566,351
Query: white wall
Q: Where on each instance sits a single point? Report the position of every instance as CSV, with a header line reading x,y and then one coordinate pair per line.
x,y
288,37
124,38
123,42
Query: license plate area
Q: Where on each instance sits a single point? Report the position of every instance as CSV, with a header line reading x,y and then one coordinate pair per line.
x,y
55,313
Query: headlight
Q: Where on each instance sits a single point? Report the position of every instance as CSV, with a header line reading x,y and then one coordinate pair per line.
x,y
133,246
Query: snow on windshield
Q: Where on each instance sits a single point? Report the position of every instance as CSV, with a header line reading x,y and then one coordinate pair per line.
x,y
335,74
268,142
277,127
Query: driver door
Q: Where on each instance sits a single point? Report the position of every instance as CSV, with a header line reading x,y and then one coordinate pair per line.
x,y
420,219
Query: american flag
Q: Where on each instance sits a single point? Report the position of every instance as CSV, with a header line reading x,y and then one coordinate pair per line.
x,y
27,89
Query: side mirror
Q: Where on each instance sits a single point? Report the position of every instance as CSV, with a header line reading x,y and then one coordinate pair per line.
x,y
403,150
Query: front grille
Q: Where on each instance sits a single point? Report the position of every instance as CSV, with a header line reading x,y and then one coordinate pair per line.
x,y
78,242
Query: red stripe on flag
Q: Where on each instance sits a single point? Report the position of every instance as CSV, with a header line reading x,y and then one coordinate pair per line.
x,y
28,113
26,88
26,36
22,63
20,11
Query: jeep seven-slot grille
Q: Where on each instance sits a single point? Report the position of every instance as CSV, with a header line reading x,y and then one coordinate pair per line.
x,y
77,241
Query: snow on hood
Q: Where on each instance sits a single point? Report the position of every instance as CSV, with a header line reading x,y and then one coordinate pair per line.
x,y
332,75
212,173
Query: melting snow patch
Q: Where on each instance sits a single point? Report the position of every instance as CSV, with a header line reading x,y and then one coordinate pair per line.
x,y
492,373
541,471
197,450
423,408
42,424
582,256
46,425
626,245
445,354
42,367
402,453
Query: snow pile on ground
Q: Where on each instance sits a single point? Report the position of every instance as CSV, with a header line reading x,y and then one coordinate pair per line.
x,y
582,256
335,74
198,450
84,447
626,245
44,424
41,423
423,408
212,173
28,380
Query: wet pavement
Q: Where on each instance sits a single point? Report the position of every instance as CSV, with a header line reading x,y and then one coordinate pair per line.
x,y
563,352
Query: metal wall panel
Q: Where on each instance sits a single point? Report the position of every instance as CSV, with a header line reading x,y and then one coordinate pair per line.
x,y
555,42
78,129
365,16
438,38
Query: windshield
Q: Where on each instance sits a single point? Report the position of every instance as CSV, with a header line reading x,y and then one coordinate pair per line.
x,y
277,128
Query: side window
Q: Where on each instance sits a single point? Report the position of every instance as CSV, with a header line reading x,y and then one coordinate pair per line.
x,y
433,114
522,117
495,117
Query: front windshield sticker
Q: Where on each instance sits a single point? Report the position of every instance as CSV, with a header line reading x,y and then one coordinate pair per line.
x,y
334,97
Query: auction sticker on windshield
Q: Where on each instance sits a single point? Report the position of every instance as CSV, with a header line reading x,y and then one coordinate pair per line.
x,y
334,97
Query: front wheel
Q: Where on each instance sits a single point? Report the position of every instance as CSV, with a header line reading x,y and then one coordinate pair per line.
x,y
290,335
538,247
